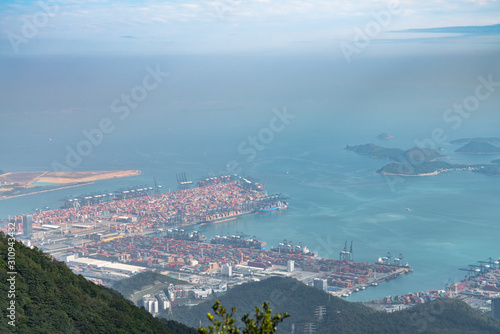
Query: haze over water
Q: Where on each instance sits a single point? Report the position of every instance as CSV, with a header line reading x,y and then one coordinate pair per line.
x,y
206,109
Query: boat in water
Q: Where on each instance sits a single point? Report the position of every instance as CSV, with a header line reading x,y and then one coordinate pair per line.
x,y
180,234
286,247
280,205
239,241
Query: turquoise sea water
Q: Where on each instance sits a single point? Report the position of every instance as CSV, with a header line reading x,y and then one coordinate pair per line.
x,y
335,196
205,115
43,184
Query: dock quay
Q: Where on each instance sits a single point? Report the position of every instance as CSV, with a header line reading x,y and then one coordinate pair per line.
x,y
144,230
480,285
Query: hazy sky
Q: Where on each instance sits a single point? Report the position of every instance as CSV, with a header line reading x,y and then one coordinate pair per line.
x,y
220,26
236,60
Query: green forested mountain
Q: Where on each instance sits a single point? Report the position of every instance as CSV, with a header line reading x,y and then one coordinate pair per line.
x,y
304,304
50,298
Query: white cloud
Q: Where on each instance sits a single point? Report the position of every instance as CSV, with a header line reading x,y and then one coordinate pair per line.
x,y
193,22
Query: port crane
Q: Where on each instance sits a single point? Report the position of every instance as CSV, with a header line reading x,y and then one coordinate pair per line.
x,y
387,259
399,259
157,187
473,270
182,181
346,255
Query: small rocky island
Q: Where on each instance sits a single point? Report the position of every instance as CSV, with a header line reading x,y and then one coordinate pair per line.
x,y
385,136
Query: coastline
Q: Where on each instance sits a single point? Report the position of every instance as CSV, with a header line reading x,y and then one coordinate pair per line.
x,y
426,174
56,180
480,153
46,190
73,177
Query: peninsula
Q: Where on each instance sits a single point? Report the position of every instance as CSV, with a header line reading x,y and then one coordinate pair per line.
x,y
27,183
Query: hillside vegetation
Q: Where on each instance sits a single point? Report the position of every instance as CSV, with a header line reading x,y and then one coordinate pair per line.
x,y
128,286
303,303
50,298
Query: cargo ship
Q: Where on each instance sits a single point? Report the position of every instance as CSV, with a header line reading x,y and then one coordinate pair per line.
x,y
180,234
287,248
239,241
221,217
397,262
280,205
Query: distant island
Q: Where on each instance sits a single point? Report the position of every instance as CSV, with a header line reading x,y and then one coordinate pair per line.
x,y
463,141
424,169
418,161
21,184
475,147
385,136
396,154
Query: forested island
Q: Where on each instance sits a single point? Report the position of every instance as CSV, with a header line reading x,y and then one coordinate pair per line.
x,y
418,161
395,154
479,148
423,169
463,141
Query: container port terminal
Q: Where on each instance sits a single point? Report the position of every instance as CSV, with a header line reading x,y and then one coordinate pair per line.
x,y
479,287
111,235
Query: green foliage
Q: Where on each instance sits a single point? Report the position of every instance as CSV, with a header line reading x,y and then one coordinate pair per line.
x,y
263,322
302,302
128,286
50,298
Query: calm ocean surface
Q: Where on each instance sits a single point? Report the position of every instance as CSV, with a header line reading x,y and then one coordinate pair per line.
x,y
335,195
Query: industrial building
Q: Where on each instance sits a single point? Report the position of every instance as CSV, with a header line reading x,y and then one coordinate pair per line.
x,y
320,284
27,226
226,270
150,303
163,301
113,266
